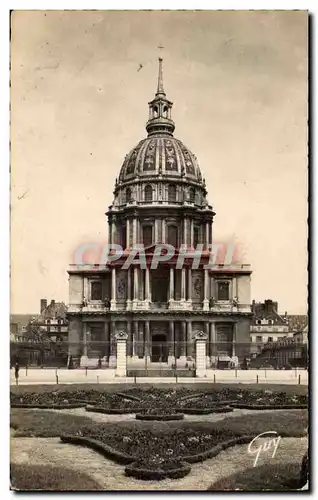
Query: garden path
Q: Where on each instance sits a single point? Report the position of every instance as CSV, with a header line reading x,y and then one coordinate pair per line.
x,y
111,476
212,417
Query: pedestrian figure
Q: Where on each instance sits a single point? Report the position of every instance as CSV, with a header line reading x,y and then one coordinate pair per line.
x,y
16,372
99,364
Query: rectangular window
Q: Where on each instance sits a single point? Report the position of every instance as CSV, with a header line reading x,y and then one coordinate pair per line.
x,y
147,235
270,339
259,338
223,288
96,290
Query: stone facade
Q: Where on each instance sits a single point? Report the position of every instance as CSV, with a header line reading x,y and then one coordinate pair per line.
x,y
160,197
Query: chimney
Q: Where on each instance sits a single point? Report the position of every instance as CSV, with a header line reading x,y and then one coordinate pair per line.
x,y
285,313
43,305
269,306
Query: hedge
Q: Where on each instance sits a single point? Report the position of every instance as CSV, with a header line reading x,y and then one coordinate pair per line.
x,y
140,472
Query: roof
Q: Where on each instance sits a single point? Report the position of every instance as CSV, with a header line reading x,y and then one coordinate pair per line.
x,y
53,310
297,322
268,310
160,155
22,319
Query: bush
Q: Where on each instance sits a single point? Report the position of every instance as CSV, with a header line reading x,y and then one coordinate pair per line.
x,y
157,416
157,470
49,478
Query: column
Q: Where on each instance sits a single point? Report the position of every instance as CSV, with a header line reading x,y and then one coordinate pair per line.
x,y
189,284
141,343
147,285
185,235
121,366
134,222
129,339
207,234
85,340
171,356
156,230
136,288
128,302
147,341
213,342
171,283
114,233
110,232
85,288
183,342
191,234
163,231
183,284
113,297
206,291
234,341
106,340
207,333
135,338
127,233
200,358
234,292
112,354
189,350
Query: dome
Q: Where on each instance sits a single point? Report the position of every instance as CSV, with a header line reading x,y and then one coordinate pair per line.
x,y
160,155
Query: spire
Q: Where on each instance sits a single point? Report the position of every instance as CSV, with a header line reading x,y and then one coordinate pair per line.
x,y
160,121
160,90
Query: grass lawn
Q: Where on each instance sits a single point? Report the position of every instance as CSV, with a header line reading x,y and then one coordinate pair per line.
x,y
288,389
42,423
46,477
274,477
46,423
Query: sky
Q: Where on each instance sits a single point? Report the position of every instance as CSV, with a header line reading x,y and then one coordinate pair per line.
x,y
79,104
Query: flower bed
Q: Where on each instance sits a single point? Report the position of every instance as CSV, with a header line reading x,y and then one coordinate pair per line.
x,y
156,470
204,411
48,406
159,416
163,399
269,407
104,449
169,442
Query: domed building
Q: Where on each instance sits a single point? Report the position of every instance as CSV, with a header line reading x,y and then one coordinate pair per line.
x,y
160,214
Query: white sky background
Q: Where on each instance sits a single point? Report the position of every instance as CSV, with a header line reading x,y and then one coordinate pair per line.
x,y
238,81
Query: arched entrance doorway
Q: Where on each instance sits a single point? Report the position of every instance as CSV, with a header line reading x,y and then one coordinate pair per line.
x,y
159,348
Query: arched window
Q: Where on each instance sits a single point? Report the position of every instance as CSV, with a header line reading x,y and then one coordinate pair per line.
x,y
173,236
192,195
155,112
165,112
172,192
148,193
96,290
128,195
195,236
147,235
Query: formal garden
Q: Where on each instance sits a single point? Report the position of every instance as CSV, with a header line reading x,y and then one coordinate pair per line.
x,y
152,438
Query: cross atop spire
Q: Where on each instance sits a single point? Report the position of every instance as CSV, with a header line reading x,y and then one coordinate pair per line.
x,y
160,89
160,121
